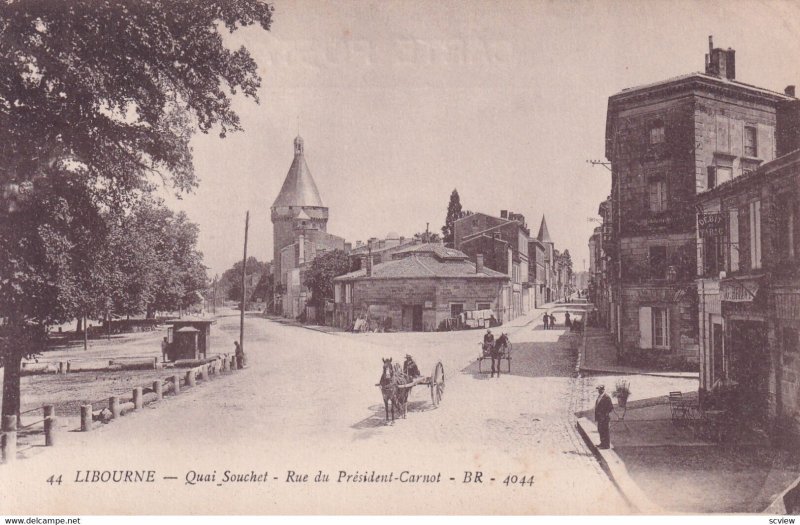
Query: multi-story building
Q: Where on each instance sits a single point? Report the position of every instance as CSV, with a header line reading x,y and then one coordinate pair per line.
x,y
537,271
749,288
503,243
601,271
299,222
668,141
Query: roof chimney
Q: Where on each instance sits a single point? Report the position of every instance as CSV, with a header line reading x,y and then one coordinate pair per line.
x,y
368,264
479,263
720,62
789,91
504,214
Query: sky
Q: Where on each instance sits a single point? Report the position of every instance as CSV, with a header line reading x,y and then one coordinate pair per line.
x,y
400,102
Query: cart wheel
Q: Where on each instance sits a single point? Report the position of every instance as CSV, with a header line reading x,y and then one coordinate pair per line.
x,y
437,384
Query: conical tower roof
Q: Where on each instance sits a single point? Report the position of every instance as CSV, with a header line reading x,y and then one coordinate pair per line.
x,y
544,235
299,188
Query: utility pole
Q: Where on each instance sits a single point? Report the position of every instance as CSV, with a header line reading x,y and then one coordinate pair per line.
x,y
244,283
214,295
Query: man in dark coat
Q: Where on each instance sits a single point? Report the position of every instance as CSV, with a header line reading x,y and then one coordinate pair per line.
x,y
488,342
603,407
546,321
410,368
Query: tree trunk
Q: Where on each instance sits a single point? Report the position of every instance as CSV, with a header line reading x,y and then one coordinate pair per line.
x,y
79,327
11,383
85,333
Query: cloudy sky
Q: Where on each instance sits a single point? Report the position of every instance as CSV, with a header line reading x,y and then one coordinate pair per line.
x,y
401,102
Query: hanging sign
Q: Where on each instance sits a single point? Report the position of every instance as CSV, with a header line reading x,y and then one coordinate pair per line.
x,y
710,225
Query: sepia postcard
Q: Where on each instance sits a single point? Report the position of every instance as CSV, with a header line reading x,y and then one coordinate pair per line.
x,y
399,258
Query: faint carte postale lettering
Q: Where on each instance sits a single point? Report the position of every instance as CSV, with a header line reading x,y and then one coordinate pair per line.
x,y
455,52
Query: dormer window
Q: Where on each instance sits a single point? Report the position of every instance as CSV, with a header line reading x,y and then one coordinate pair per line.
x,y
657,132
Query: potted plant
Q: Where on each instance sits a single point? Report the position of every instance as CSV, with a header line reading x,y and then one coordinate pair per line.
x,y
622,391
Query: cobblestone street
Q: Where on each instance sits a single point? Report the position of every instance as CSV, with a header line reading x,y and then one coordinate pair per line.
x,y
307,402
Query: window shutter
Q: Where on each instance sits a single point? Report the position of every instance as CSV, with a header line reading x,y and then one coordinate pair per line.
x,y
645,327
733,236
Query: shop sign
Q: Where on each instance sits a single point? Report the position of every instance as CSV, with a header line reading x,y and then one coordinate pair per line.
x,y
737,291
710,225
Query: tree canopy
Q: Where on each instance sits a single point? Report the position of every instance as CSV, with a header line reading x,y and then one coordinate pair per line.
x,y
98,103
320,274
453,213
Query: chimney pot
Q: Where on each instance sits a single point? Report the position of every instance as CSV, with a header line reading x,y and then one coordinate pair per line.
x,y
479,263
789,91
503,214
368,265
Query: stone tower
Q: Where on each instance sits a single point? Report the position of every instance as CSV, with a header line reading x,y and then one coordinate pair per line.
x,y
298,207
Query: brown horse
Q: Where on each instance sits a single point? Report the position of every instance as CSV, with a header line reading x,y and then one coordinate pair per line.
x,y
391,379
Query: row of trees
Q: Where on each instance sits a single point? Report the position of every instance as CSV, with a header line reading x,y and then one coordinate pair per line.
x,y
98,104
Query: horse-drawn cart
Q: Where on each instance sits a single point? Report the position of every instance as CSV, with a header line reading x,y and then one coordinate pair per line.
x,y
503,352
396,385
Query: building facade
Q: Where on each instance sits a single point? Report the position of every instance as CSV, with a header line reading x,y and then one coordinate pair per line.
x,y
749,288
503,242
668,141
418,290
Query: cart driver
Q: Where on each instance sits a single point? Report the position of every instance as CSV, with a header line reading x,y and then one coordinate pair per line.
x,y
488,342
410,368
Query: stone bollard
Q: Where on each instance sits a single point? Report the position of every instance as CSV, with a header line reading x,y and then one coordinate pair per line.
x,y
86,418
223,364
176,384
158,390
138,399
113,406
8,442
155,363
233,362
190,377
49,425
62,367
204,372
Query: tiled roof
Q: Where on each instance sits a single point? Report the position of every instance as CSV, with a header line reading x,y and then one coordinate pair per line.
x,y
421,266
762,172
704,76
438,250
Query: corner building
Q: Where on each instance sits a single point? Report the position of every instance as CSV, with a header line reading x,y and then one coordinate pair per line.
x,y
667,142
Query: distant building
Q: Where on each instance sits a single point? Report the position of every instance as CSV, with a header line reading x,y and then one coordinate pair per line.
x,y
380,249
749,288
300,223
667,141
503,243
537,271
551,292
417,290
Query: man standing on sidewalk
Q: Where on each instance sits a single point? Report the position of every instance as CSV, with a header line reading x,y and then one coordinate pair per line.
x,y
603,407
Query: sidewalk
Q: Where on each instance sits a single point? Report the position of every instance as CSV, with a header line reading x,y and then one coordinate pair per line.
x,y
658,463
598,354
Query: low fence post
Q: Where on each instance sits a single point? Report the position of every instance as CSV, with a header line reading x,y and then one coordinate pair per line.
x,y
176,384
158,390
8,442
113,406
155,363
190,377
50,421
204,372
224,364
233,362
138,400
86,418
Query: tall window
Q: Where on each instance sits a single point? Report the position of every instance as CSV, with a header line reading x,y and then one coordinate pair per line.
x,y
713,255
658,262
733,240
786,236
750,142
660,328
658,195
657,132
755,235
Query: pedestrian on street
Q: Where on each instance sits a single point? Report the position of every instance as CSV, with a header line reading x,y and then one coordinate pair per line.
x,y
552,321
603,407
546,321
164,347
567,321
239,353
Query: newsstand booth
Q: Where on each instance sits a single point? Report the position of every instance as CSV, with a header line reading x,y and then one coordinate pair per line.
x,y
188,339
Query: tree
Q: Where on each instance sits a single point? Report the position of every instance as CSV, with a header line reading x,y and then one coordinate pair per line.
x,y
427,237
319,276
231,281
453,213
102,98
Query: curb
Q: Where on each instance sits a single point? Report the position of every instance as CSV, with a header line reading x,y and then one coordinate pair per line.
x,y
613,466
612,370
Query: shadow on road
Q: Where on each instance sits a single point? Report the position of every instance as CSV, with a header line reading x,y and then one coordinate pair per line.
x,y
378,417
